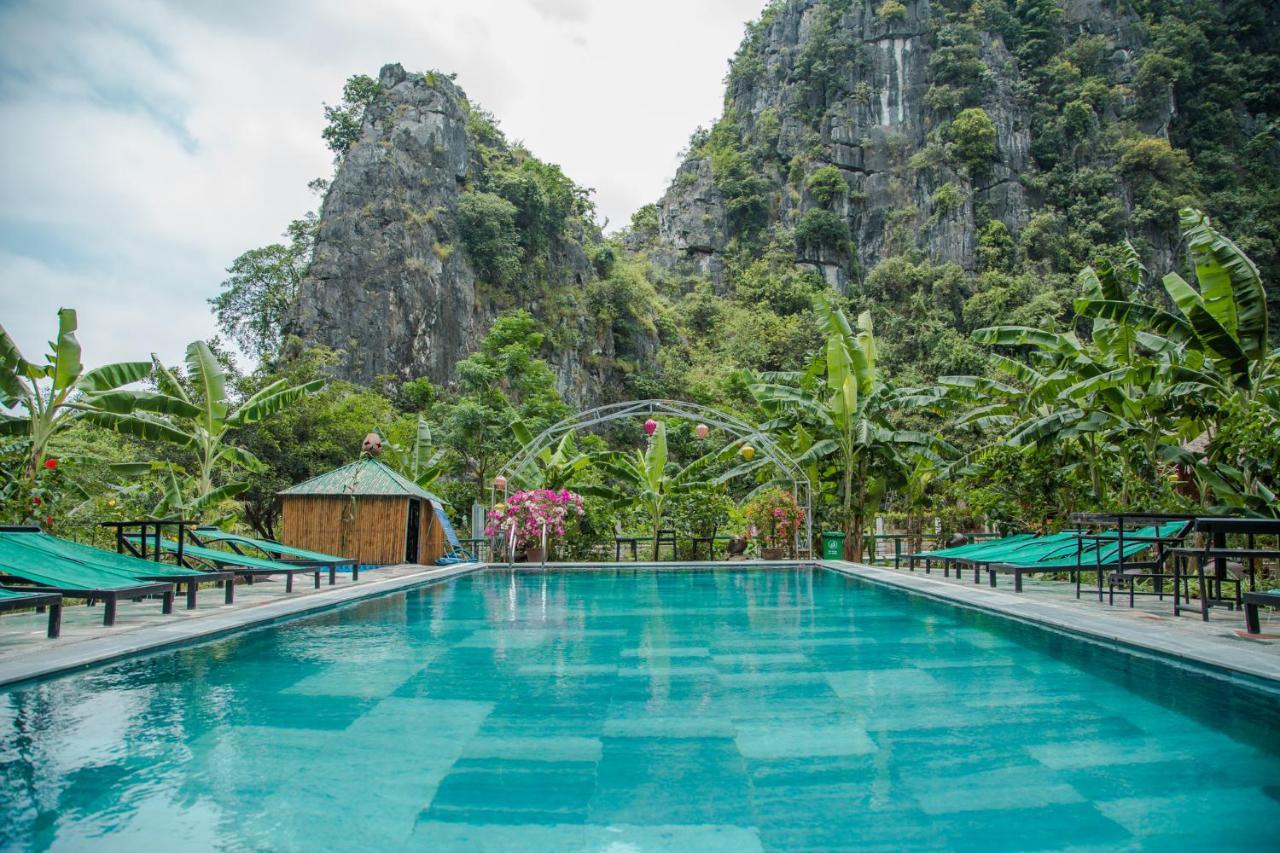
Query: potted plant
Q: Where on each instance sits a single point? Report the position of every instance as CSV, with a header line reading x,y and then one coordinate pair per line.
x,y
773,517
535,519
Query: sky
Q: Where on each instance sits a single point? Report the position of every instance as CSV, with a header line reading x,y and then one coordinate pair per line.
x,y
145,144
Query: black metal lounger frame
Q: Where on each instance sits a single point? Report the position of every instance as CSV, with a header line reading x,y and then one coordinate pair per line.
x,y
126,546
1216,530
1083,566
1254,600
110,597
41,601
331,565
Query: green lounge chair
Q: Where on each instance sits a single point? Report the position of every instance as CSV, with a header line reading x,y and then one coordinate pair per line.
x,y
242,565
1092,553
1025,551
271,550
147,570
963,550
72,578
13,599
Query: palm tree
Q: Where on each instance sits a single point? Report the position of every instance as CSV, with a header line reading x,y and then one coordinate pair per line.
x,y
202,420
52,395
838,414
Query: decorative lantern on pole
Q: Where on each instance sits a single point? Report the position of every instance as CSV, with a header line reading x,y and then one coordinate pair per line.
x,y
747,452
650,426
702,430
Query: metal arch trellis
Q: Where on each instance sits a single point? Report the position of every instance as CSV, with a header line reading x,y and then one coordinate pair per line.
x,y
738,428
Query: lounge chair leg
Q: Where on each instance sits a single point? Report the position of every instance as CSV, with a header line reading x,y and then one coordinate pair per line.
x,y
230,592
355,571
168,602
333,573
1017,581
288,582
317,578
1204,591
192,587
1251,621
55,621
109,617
991,577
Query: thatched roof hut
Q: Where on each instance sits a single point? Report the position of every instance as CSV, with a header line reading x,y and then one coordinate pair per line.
x,y
365,511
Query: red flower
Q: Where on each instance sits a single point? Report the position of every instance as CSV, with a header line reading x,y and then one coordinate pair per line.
x,y
51,463
35,502
48,520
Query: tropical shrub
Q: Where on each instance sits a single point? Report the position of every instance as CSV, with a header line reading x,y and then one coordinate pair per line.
x,y
531,515
773,517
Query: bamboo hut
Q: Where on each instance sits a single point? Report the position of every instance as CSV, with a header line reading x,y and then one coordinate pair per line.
x,y
367,512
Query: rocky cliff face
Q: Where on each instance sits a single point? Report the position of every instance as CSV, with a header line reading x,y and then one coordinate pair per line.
x,y
393,284
386,286
872,89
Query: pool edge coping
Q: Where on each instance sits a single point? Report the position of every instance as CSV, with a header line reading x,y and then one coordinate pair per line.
x,y
1144,639
1216,656
56,660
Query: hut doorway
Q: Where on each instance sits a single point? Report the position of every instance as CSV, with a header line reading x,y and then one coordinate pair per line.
x,y
411,531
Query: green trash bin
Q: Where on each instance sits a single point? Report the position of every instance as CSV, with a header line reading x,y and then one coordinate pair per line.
x,y
832,545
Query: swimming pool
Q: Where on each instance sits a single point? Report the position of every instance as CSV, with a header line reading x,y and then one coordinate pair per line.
x,y
635,710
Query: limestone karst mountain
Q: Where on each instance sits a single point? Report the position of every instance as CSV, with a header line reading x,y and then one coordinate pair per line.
x,y
944,163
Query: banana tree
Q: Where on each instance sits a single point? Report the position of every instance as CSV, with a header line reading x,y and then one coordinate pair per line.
x,y
838,414
561,467
1225,319
423,462
201,420
644,479
52,395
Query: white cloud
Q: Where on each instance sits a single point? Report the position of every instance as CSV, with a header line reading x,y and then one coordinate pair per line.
x,y
147,144
574,11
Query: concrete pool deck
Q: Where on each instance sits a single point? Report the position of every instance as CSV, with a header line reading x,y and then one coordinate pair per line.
x,y
25,653
1149,626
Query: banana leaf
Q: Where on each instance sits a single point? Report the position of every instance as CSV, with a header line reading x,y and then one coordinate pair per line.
x,y
139,426
273,399
1209,330
66,352
1229,283
1026,335
109,377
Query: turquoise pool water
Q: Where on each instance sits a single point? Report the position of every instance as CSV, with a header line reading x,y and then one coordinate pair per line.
x,y
638,710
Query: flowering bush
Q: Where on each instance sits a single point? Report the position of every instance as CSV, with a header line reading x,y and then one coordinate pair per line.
x,y
773,517
528,513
